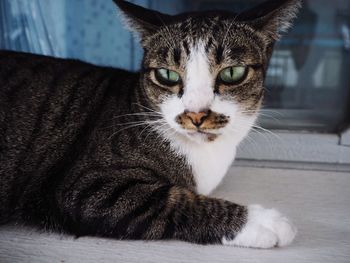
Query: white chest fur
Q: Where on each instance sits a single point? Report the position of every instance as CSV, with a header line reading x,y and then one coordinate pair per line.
x,y
209,161
210,164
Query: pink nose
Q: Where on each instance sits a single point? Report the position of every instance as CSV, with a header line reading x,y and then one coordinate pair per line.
x,y
197,118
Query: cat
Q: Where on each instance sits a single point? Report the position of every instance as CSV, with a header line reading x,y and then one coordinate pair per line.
x,y
91,150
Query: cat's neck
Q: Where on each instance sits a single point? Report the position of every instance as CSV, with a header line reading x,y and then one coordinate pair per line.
x,y
209,161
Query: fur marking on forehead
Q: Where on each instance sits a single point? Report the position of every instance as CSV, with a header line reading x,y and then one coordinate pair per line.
x,y
198,92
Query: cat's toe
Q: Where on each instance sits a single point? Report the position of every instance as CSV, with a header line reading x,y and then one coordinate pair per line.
x,y
254,236
285,231
265,228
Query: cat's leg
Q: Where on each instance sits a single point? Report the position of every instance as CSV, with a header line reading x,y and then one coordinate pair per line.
x,y
210,220
139,208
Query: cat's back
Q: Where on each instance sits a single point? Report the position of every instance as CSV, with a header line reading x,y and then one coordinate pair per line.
x,y
40,92
29,78
47,108
50,96
46,102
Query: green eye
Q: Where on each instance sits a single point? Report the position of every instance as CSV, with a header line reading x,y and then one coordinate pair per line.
x,y
167,77
233,75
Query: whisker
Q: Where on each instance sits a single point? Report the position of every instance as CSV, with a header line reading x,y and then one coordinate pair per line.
x,y
273,111
265,130
131,126
127,123
248,137
264,110
138,114
128,127
134,122
156,129
150,127
142,106
164,132
144,129
260,114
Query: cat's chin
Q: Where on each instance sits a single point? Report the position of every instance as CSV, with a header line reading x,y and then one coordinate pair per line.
x,y
201,137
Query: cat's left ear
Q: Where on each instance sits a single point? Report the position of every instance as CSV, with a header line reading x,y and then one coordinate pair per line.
x,y
142,20
272,17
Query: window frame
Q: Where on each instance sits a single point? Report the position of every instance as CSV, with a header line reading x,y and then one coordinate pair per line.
x,y
296,150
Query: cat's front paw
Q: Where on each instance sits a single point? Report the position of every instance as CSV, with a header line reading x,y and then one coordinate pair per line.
x,y
265,228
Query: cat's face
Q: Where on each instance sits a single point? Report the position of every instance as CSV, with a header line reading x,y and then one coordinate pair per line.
x,y
205,71
208,82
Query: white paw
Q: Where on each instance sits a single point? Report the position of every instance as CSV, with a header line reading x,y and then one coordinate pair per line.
x,y
265,228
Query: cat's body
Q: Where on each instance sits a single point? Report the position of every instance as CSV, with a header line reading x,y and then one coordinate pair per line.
x,y
78,126
99,151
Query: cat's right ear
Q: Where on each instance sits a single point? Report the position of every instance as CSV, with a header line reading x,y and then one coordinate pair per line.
x,y
272,16
141,20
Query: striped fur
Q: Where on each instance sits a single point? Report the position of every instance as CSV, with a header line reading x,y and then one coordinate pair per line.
x,y
87,150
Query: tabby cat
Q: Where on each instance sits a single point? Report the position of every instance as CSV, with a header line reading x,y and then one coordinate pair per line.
x,y
91,150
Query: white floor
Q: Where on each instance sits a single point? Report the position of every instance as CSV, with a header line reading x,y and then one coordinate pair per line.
x,y
317,202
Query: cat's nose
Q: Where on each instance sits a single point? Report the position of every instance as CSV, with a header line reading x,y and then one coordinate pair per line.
x,y
197,118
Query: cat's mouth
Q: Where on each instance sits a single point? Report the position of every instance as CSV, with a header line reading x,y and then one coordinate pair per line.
x,y
202,126
201,122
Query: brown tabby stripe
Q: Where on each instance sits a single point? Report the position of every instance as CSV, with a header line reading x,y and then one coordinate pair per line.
x,y
157,195
119,191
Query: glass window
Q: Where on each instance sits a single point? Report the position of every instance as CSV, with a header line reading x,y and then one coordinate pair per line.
x,y
308,81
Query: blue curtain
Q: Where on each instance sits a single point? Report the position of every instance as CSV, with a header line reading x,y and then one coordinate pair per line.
x,y
28,26
89,30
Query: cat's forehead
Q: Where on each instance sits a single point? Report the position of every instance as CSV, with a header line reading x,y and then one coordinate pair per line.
x,y
222,41
203,28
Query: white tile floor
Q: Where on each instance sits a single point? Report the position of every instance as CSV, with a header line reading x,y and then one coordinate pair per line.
x,y
317,202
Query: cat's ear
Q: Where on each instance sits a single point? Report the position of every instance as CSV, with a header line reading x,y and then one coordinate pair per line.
x,y
141,20
272,17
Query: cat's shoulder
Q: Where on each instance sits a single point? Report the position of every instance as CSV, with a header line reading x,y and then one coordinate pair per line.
x,y
23,59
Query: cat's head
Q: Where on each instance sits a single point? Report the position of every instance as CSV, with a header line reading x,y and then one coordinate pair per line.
x,y
205,71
